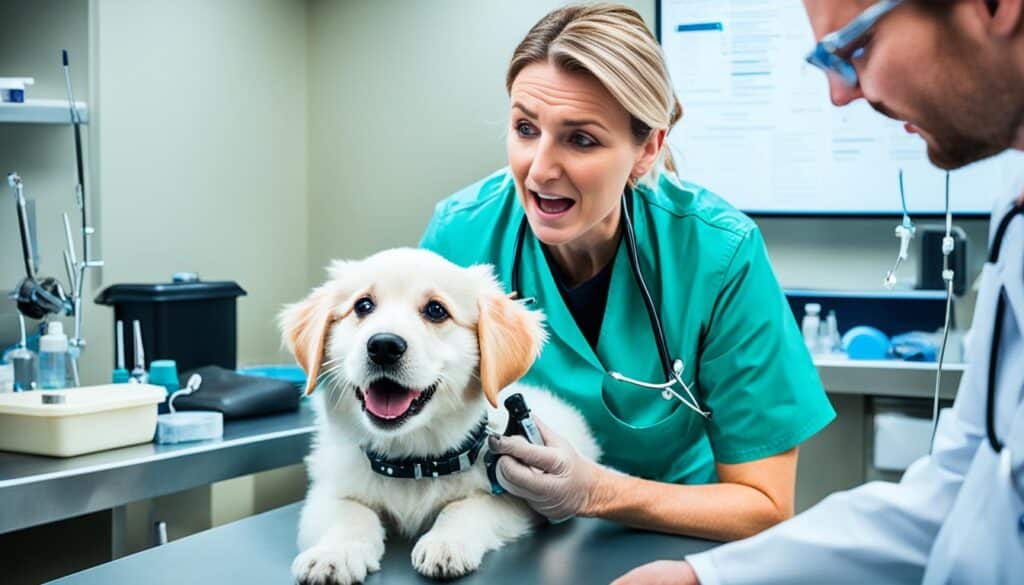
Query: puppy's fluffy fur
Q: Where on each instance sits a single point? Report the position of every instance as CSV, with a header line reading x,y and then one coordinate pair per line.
x,y
484,343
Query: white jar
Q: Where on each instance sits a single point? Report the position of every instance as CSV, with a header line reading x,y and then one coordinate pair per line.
x,y
810,325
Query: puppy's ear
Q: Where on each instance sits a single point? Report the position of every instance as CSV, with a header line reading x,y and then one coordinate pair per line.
x,y
510,339
305,326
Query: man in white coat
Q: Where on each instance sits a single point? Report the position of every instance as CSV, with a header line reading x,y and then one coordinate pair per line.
x,y
954,72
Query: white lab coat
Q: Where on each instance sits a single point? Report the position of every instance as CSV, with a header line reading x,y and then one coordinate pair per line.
x,y
957,516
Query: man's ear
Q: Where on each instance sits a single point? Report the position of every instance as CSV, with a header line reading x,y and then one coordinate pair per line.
x,y
510,339
1006,15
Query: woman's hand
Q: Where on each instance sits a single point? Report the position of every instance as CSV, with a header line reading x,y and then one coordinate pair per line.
x,y
660,573
554,479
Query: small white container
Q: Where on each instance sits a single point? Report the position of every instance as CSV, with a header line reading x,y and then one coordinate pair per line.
x,y
810,325
53,355
78,420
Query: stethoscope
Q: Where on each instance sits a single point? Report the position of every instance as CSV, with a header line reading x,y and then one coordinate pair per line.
x,y
997,331
673,368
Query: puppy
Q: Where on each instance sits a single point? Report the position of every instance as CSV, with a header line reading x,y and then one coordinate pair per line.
x,y
409,349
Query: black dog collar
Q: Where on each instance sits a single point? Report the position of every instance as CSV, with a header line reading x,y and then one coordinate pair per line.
x,y
457,460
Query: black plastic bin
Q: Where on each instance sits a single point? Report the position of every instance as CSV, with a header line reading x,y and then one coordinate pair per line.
x,y
191,322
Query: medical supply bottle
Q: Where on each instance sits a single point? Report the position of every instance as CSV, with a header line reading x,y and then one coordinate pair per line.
x,y
26,367
53,356
810,325
831,342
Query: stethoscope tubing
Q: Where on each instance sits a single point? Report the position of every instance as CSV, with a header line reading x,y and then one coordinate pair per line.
x,y
672,375
997,331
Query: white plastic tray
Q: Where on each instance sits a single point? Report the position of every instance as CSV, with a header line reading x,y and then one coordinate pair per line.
x,y
88,419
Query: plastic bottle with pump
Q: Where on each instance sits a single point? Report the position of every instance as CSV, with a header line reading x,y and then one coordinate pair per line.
x,y
810,325
53,357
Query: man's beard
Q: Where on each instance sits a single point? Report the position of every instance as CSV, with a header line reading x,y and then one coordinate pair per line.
x,y
956,152
971,116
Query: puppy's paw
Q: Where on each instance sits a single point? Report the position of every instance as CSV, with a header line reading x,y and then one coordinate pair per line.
x,y
336,564
446,556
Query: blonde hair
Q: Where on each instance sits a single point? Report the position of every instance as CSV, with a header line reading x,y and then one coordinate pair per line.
x,y
612,43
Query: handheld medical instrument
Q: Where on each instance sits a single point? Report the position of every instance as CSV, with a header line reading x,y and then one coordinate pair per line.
x,y
35,297
519,420
120,374
905,232
673,369
77,343
139,371
521,423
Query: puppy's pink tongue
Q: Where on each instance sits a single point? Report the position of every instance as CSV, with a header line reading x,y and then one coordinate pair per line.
x,y
390,402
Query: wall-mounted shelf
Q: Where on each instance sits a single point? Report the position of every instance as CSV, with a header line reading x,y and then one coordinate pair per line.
x,y
40,111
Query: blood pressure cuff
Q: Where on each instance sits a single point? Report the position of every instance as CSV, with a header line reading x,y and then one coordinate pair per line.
x,y
236,395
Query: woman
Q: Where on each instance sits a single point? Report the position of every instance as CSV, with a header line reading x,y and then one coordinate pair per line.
x,y
590,106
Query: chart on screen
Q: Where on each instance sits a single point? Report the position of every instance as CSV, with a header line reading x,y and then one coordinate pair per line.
x,y
759,128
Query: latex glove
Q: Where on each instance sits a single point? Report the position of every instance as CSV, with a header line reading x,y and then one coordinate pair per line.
x,y
554,479
660,573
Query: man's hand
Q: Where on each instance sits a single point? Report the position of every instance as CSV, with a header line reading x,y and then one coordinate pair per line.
x,y
554,479
660,573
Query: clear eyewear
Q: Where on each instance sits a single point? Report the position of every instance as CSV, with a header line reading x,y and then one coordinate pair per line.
x,y
834,52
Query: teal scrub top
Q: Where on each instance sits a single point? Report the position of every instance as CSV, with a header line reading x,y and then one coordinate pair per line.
x,y
723,313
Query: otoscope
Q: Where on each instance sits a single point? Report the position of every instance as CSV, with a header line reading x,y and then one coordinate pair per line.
x,y
519,423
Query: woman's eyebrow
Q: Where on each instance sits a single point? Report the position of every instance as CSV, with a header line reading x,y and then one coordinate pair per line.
x,y
584,122
522,108
574,123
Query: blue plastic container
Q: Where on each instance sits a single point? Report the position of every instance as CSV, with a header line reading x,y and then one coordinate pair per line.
x,y
287,372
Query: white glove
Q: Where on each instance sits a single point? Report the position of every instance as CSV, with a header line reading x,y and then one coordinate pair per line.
x,y
554,479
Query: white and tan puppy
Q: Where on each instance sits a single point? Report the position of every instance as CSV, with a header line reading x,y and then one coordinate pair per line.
x,y
409,349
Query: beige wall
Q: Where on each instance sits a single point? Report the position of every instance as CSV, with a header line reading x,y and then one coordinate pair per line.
x,y
201,141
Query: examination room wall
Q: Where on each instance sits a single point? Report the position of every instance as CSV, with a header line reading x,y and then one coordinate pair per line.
x,y
203,142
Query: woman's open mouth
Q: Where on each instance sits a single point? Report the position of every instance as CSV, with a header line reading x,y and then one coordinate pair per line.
x,y
551,206
388,404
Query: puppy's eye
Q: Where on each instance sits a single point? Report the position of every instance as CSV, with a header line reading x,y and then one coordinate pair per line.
x,y
364,306
435,311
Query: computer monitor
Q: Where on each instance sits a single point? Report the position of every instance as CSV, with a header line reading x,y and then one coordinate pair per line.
x,y
759,129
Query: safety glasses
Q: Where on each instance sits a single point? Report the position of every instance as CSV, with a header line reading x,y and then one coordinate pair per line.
x,y
835,51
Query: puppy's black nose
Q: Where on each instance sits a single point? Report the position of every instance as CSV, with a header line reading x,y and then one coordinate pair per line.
x,y
385,348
